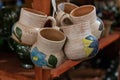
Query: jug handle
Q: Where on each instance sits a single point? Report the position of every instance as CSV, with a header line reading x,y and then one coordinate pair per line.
x,y
66,20
54,23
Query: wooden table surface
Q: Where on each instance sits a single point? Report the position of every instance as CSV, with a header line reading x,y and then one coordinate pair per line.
x,y
10,67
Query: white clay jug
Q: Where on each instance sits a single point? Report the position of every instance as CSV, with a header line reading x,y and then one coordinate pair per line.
x,y
64,9
86,13
80,42
25,30
47,52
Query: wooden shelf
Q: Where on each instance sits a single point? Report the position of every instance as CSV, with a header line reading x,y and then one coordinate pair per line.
x,y
10,65
103,42
10,68
68,64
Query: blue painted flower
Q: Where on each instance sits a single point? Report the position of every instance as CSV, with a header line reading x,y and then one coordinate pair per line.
x,y
94,45
38,58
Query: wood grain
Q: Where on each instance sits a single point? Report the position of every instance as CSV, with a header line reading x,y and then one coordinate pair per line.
x,y
42,5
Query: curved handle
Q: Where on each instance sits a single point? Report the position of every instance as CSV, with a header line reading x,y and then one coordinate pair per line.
x,y
58,17
63,19
54,23
66,20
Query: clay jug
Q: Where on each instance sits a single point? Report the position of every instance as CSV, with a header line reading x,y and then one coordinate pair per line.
x,y
80,44
64,8
47,52
87,13
25,30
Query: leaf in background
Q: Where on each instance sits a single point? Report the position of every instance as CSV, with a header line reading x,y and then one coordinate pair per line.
x,y
19,33
52,61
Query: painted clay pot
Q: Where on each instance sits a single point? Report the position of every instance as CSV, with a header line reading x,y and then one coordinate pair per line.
x,y
30,22
80,44
88,13
47,52
64,9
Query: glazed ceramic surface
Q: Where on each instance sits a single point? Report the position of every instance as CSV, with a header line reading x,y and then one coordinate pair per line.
x,y
80,42
30,22
47,51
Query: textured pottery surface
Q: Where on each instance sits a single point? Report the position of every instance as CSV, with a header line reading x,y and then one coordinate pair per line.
x,y
47,51
23,34
80,42
85,13
64,8
88,13
30,22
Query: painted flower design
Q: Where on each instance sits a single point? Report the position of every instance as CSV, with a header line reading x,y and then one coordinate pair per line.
x,y
38,58
90,45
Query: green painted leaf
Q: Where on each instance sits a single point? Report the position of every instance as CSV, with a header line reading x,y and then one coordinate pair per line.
x,y
16,36
52,61
19,33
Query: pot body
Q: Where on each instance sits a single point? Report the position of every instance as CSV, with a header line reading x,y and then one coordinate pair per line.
x,y
82,14
88,13
80,42
30,22
24,35
47,51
